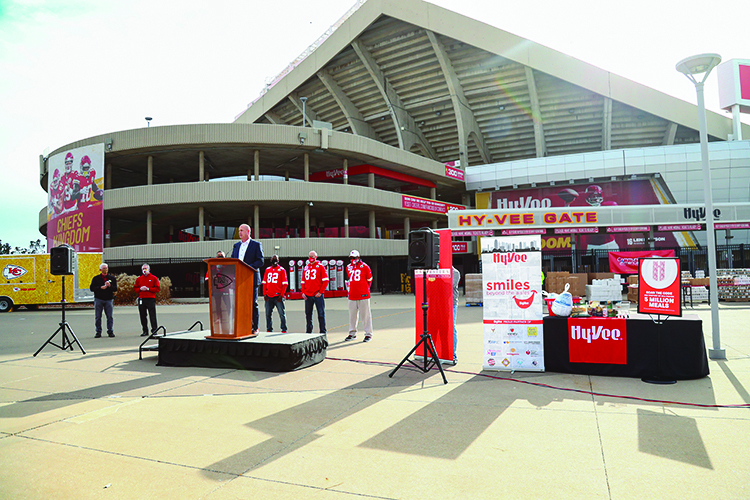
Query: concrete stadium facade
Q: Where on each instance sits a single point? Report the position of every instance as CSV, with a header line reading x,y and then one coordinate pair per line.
x,y
392,93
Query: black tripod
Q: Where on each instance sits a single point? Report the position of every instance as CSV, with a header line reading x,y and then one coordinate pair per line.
x,y
64,328
426,339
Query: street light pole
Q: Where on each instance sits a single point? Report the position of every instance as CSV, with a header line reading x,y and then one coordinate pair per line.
x,y
690,67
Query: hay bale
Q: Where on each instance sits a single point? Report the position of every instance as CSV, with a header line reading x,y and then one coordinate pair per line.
x,y
127,295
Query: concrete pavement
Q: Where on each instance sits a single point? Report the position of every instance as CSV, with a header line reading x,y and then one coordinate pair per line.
x,y
106,425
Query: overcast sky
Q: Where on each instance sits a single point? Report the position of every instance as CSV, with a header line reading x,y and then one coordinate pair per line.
x,y
74,69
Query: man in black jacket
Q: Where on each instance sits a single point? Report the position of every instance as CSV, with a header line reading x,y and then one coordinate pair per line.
x,y
104,286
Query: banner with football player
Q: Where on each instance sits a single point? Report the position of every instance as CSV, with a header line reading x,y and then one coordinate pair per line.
x,y
512,294
75,211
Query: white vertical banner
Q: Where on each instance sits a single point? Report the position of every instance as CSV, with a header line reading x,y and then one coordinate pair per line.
x,y
512,294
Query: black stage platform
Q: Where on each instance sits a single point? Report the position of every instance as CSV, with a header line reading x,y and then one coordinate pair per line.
x,y
270,352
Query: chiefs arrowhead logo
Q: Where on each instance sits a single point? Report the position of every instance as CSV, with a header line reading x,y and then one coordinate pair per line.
x,y
222,281
11,272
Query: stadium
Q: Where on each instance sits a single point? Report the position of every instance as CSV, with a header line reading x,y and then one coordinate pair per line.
x,y
400,112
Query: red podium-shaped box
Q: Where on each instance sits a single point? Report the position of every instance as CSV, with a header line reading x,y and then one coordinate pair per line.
x,y
231,283
439,312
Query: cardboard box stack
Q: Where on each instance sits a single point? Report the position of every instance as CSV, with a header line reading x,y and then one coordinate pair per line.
x,y
633,288
554,282
473,289
604,289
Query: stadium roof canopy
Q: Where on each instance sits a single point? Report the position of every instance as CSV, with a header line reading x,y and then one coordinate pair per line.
x,y
430,81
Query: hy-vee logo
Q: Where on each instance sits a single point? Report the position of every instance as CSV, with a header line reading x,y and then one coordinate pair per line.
x,y
699,214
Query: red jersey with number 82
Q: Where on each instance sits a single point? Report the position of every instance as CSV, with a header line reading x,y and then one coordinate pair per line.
x,y
275,282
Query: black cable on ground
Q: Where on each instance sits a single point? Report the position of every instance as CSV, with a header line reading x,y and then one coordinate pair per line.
x,y
547,386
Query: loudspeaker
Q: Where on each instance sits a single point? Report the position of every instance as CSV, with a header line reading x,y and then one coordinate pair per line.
x,y
424,249
61,260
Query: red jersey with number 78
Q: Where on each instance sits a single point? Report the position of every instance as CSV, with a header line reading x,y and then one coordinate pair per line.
x,y
359,280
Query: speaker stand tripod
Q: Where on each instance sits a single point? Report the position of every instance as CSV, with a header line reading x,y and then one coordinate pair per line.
x,y
64,328
425,341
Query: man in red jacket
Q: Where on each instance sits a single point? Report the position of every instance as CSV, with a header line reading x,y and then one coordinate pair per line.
x,y
358,282
147,285
313,284
274,289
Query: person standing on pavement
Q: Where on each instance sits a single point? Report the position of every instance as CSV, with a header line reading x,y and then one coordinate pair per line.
x,y
251,253
358,283
313,286
275,284
147,286
104,286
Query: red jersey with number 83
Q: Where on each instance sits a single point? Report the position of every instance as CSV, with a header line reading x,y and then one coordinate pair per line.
x,y
314,279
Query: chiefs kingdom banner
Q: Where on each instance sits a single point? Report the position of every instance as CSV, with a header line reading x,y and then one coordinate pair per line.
x,y
75,210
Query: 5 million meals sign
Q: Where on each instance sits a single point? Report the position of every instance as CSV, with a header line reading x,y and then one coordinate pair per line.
x,y
512,295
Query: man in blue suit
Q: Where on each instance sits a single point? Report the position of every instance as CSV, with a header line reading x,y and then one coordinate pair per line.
x,y
251,253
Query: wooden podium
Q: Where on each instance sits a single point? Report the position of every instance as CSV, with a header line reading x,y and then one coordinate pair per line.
x,y
231,283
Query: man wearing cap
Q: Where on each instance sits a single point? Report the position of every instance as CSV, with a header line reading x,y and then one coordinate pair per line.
x,y
358,282
274,289
104,286
313,285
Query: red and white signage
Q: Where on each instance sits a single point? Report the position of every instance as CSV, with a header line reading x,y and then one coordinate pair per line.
x,y
598,340
680,227
734,84
628,229
428,205
627,262
512,286
479,232
576,230
659,286
453,172
460,247
517,232
732,225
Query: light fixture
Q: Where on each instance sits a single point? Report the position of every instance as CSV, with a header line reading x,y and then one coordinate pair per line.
x,y
437,113
302,137
533,184
421,123
309,203
551,183
304,117
108,144
702,64
501,107
572,110
591,179
613,178
148,121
